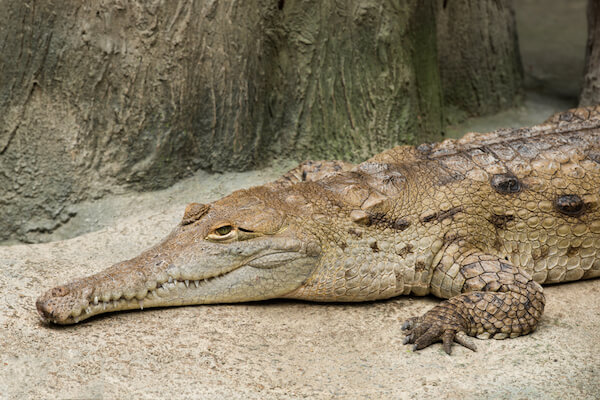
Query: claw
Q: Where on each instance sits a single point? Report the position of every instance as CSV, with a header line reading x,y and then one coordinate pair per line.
x,y
447,340
430,336
441,324
409,323
424,331
462,339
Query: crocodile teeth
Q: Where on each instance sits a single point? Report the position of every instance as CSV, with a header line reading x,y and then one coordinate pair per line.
x,y
161,290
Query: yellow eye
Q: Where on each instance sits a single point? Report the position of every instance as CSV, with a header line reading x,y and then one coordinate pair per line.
x,y
224,230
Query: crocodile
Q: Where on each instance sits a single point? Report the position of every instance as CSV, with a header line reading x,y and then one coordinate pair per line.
x,y
480,222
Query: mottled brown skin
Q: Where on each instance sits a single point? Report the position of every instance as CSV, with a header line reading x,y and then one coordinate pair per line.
x,y
481,221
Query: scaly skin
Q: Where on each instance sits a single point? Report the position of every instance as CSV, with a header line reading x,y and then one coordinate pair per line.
x,y
481,221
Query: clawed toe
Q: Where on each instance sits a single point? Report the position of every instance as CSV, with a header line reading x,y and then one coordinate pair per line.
x,y
464,340
422,333
409,323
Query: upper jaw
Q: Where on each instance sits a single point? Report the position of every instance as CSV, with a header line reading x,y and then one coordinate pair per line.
x,y
85,306
208,274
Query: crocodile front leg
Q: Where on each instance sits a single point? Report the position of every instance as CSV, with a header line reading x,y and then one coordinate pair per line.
x,y
489,298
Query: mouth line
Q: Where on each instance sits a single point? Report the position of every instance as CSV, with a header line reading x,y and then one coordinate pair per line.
x,y
162,291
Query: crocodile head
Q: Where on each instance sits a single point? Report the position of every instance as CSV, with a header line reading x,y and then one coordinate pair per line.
x,y
243,247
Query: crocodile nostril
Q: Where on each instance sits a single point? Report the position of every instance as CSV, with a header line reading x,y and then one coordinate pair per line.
x,y
44,309
59,291
46,304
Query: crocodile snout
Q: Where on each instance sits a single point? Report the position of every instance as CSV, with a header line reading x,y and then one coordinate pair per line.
x,y
44,309
48,305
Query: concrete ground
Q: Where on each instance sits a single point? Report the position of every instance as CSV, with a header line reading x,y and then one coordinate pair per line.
x,y
286,349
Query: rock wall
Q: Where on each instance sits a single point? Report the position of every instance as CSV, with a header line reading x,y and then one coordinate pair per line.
x,y
590,95
98,96
479,59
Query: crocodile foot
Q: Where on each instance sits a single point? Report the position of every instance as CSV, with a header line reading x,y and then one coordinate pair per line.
x,y
442,323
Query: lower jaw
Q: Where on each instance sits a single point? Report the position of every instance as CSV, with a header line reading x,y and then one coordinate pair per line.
x,y
177,293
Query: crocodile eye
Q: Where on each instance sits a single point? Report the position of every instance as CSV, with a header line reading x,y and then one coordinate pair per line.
x,y
224,230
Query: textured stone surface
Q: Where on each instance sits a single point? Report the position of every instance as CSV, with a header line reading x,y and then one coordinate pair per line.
x,y
273,350
140,93
552,40
590,94
99,94
478,48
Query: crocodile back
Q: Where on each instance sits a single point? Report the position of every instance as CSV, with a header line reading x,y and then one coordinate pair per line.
x,y
529,195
